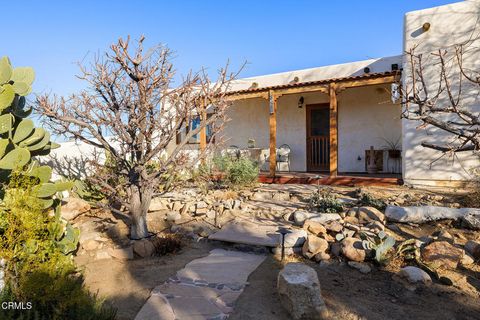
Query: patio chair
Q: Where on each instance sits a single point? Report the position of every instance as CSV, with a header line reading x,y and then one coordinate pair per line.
x,y
283,156
233,152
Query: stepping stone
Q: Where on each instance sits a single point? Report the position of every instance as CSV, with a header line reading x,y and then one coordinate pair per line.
x,y
223,274
250,233
222,266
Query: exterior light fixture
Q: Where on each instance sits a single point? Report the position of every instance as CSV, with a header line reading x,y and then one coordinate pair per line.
x,y
395,91
283,232
366,70
426,26
300,102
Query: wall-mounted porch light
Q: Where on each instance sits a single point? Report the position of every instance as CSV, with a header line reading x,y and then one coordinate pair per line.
x,y
300,102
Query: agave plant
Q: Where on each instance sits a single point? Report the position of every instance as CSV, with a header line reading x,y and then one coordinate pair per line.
x,y
380,244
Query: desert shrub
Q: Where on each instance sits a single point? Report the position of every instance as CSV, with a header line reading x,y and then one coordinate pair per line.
x,y
37,247
367,199
325,201
223,171
242,172
170,243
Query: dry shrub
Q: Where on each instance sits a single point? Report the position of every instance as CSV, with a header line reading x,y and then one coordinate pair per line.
x,y
168,243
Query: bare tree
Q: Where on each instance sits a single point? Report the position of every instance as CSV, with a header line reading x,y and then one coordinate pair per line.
x,y
133,111
441,90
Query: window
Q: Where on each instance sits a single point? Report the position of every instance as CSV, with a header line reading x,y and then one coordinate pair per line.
x,y
194,123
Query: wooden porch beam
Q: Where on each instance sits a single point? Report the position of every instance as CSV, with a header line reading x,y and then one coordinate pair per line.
x,y
250,95
333,130
273,132
367,82
306,89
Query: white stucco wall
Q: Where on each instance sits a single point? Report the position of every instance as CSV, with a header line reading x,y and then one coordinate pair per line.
x,y
449,25
365,117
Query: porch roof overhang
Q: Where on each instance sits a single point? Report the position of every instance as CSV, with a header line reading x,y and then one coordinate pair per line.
x,y
315,86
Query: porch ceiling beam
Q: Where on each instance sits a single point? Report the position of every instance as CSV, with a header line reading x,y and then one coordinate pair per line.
x,y
333,129
305,89
367,82
249,95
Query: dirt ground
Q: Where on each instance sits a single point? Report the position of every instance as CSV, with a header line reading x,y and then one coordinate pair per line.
x,y
348,293
352,295
126,285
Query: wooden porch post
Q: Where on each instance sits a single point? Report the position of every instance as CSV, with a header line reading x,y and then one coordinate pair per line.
x,y
333,130
273,132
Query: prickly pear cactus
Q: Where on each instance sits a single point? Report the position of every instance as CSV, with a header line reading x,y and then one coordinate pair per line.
x,y
19,139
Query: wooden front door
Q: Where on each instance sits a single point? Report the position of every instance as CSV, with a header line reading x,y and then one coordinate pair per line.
x,y
318,137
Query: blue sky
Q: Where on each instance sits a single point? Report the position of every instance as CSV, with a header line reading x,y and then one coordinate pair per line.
x,y
273,36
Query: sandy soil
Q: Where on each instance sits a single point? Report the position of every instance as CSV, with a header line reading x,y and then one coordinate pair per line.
x,y
127,284
351,295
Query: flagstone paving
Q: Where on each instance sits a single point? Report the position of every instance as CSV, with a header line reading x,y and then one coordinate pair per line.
x,y
246,232
206,288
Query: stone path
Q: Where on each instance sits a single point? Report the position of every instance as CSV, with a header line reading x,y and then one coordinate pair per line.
x,y
206,288
246,232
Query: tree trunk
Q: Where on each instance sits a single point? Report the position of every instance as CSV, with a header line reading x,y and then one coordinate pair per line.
x,y
139,204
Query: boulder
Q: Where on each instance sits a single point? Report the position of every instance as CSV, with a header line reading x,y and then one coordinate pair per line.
x,y
321,256
281,196
299,291
375,226
300,216
427,213
314,245
352,249
158,204
444,236
91,244
296,238
360,266
473,248
334,226
441,254
471,221
325,218
314,227
262,196
414,275
143,248
467,260
173,216
369,214
73,207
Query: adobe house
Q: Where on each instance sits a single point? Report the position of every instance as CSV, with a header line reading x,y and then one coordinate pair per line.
x,y
330,117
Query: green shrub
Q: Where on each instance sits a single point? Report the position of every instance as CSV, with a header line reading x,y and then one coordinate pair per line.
x,y
37,246
242,172
367,199
225,171
325,201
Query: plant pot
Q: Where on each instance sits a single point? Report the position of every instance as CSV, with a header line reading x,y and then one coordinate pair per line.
x,y
394,154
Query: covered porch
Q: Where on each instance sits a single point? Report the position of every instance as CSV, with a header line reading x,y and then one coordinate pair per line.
x,y
329,125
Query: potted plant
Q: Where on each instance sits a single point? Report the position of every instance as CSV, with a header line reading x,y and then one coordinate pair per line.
x,y
371,165
251,143
393,148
